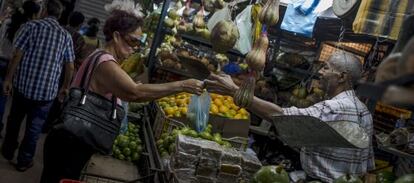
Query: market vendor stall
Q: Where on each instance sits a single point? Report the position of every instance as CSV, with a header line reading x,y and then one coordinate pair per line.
x,y
271,118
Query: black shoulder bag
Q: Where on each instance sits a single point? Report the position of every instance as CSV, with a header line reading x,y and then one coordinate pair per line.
x,y
91,117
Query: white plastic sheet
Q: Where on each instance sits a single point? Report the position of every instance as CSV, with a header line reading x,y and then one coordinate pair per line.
x,y
244,24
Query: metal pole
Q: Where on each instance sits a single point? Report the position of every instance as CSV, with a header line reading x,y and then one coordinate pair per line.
x,y
157,39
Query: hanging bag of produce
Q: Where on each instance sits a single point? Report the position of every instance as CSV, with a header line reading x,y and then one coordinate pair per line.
x,y
244,24
198,111
92,118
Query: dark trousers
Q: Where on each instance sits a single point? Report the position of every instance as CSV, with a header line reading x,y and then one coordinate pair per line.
x,y
64,156
3,98
3,101
35,113
54,114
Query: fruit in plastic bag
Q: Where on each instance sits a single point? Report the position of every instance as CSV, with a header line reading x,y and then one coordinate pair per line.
x,y
269,15
256,58
224,35
198,112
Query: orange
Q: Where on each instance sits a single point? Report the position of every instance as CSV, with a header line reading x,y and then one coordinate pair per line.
x,y
227,103
218,102
181,102
214,109
184,110
243,111
232,112
169,110
221,97
223,109
213,95
177,114
235,107
238,116
229,98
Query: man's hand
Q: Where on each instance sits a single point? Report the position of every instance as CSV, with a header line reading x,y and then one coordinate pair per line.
x,y
192,86
222,84
62,94
7,87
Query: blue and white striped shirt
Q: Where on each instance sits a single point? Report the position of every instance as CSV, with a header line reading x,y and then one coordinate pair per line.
x,y
47,47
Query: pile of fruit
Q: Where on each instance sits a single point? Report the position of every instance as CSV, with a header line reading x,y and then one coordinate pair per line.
x,y
150,22
166,144
177,106
128,146
271,174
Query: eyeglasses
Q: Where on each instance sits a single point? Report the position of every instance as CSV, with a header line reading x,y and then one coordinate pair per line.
x,y
135,41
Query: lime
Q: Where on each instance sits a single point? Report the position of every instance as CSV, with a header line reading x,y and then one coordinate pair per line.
x,y
193,133
206,135
128,158
226,144
133,145
164,154
123,141
160,142
121,157
126,151
217,138
117,151
135,157
171,149
170,139
139,149
164,135
175,132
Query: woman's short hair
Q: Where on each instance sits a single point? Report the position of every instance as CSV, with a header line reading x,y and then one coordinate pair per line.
x,y
122,22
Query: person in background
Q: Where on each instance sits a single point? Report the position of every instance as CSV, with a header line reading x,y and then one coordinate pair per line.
x,y
64,154
69,6
91,34
76,19
338,78
41,49
31,11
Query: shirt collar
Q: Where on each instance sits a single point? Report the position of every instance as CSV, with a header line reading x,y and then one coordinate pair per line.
x,y
345,94
50,18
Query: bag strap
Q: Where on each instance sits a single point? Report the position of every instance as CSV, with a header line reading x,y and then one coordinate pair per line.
x,y
87,74
85,83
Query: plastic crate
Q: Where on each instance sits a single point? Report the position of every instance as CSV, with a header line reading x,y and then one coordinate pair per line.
x,y
163,124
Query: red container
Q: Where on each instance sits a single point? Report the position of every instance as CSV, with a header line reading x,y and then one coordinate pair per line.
x,y
69,181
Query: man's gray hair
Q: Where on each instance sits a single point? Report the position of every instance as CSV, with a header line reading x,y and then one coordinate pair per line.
x,y
347,63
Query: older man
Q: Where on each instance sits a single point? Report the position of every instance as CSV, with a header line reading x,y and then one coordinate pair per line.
x,y
338,77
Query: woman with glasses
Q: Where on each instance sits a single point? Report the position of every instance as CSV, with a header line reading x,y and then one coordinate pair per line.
x,y
65,155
